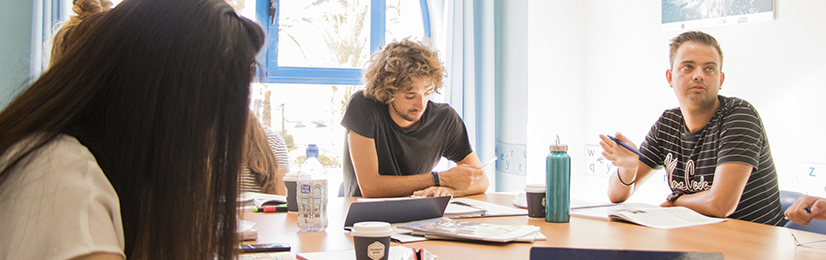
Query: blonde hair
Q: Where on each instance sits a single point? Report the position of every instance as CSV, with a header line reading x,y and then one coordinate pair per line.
x,y
259,156
83,9
393,68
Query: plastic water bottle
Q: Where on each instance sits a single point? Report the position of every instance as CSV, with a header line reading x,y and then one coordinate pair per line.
x,y
558,188
311,193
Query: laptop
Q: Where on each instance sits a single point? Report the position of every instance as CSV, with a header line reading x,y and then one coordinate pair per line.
x,y
396,211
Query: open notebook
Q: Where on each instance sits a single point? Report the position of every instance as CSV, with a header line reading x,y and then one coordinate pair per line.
x,y
646,215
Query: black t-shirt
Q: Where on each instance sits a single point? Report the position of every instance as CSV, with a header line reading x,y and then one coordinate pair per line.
x,y
734,134
442,133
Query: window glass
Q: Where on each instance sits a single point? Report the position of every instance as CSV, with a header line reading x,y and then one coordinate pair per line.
x,y
404,19
331,34
245,8
306,114
323,34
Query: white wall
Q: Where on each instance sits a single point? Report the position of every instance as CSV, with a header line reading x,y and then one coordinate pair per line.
x,y
604,63
15,47
556,76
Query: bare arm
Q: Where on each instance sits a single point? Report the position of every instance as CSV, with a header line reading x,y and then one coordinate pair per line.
x,y
721,200
618,192
629,168
372,184
280,189
457,176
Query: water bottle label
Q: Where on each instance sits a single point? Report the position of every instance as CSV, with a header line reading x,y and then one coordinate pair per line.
x,y
312,203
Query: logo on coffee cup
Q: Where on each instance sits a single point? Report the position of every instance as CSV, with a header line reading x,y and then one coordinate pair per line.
x,y
305,188
375,250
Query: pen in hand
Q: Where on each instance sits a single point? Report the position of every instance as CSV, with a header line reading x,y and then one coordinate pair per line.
x,y
626,146
491,161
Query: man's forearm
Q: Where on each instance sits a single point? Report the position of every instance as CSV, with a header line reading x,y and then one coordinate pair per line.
x,y
395,186
705,203
722,199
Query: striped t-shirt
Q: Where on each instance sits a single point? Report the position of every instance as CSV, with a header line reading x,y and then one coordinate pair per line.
x,y
735,134
247,181
279,147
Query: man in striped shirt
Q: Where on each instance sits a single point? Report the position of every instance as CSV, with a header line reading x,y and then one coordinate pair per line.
x,y
714,148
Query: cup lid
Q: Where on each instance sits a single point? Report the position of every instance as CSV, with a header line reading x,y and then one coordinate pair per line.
x,y
290,176
371,229
535,187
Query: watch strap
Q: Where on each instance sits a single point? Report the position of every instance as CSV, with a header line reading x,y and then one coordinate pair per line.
x,y
673,197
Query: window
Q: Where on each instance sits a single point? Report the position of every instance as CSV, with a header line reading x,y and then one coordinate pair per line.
x,y
328,42
313,62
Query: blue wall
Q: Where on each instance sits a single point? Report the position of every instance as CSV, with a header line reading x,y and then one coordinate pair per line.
x,y
15,47
511,43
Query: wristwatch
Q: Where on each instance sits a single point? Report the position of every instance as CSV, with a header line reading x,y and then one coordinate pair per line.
x,y
673,197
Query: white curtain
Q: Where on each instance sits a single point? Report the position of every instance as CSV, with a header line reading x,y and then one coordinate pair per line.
x,y
46,16
463,31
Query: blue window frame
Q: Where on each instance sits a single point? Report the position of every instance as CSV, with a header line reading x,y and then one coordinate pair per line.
x,y
271,72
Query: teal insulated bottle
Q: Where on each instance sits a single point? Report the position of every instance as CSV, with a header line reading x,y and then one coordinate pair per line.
x,y
558,183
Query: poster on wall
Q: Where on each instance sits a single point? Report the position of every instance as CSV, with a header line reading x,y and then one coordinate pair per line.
x,y
696,14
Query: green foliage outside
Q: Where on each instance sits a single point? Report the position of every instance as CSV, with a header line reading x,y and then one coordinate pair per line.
x,y
289,140
326,160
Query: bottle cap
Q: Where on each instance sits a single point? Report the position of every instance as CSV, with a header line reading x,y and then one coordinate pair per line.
x,y
559,147
312,151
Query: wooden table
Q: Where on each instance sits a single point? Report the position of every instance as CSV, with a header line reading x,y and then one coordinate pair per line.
x,y
734,238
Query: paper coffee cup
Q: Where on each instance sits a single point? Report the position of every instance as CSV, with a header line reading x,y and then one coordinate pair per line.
x,y
371,240
289,182
535,195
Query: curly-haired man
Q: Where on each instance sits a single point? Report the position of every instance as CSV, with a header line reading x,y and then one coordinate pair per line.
x,y
396,135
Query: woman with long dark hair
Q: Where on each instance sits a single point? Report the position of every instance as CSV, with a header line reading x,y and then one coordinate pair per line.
x,y
130,145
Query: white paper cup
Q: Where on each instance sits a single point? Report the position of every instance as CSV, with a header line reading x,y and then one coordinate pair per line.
x,y
371,240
